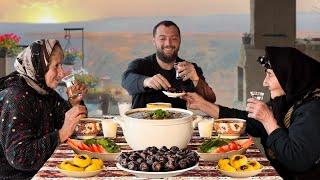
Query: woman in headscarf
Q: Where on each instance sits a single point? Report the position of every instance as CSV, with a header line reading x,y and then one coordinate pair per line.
x,y
34,119
289,124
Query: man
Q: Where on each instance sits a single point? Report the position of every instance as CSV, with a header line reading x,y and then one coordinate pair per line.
x,y
146,78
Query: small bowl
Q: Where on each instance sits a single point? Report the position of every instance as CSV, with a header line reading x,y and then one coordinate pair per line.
x,y
230,128
88,128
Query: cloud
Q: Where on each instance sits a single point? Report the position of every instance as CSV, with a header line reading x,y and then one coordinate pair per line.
x,y
83,10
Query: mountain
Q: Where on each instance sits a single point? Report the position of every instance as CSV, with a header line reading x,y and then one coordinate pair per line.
x,y
206,24
213,23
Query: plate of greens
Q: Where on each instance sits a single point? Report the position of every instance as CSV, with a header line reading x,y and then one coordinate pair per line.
x,y
217,148
102,148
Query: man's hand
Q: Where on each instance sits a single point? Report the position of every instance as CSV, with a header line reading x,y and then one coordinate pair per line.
x,y
157,82
187,71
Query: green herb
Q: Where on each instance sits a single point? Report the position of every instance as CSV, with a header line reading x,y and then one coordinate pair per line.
x,y
90,141
211,144
158,114
106,143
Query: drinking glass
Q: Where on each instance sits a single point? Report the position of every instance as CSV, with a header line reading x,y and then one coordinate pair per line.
x,y
257,95
176,67
70,79
205,127
109,128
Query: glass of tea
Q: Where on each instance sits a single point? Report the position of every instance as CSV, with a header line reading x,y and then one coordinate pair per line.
x,y
257,95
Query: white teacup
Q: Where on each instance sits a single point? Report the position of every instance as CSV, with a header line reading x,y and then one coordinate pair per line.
x,y
205,128
109,128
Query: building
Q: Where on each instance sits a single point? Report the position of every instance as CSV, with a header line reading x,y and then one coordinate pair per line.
x,y
273,23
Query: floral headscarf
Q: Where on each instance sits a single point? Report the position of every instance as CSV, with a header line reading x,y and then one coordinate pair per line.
x,y
32,63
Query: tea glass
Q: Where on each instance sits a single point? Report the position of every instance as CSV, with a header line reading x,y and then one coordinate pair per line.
x,y
257,95
70,80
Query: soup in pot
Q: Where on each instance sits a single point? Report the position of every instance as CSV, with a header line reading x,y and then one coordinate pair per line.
x,y
158,114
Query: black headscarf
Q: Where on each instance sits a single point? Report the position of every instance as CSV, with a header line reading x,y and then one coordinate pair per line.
x,y
297,73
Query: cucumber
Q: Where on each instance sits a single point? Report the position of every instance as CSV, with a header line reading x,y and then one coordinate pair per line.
x,y
211,144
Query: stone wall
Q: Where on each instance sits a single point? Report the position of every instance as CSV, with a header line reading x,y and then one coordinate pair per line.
x,y
273,22
309,46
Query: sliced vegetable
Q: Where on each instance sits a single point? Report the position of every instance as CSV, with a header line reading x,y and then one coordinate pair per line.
x,y
212,144
107,144
95,148
247,143
101,149
72,144
233,146
85,147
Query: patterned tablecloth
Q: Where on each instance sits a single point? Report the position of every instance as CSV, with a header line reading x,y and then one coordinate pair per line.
x,y
205,170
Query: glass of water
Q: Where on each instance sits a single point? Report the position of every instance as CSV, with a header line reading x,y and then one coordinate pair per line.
x,y
257,95
70,81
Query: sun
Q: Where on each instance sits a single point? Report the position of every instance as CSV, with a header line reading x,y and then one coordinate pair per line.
x,y
47,19
42,11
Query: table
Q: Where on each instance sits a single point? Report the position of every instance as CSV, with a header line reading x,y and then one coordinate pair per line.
x,y
205,170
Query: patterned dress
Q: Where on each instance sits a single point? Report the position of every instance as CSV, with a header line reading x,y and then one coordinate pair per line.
x,y
29,125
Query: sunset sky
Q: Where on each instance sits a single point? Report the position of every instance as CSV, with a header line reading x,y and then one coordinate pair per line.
x,y
55,11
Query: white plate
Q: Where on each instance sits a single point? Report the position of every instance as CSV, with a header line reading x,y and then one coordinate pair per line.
x,y
173,95
236,136
217,156
143,174
241,174
80,174
86,137
102,156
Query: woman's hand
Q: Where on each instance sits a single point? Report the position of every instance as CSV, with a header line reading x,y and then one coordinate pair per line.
x,y
76,93
260,111
71,119
197,102
194,101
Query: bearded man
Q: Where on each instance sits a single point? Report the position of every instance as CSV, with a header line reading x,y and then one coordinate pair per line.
x,y
147,77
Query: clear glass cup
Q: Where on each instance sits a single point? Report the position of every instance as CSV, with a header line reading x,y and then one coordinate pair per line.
x,y
257,95
176,67
177,73
70,80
